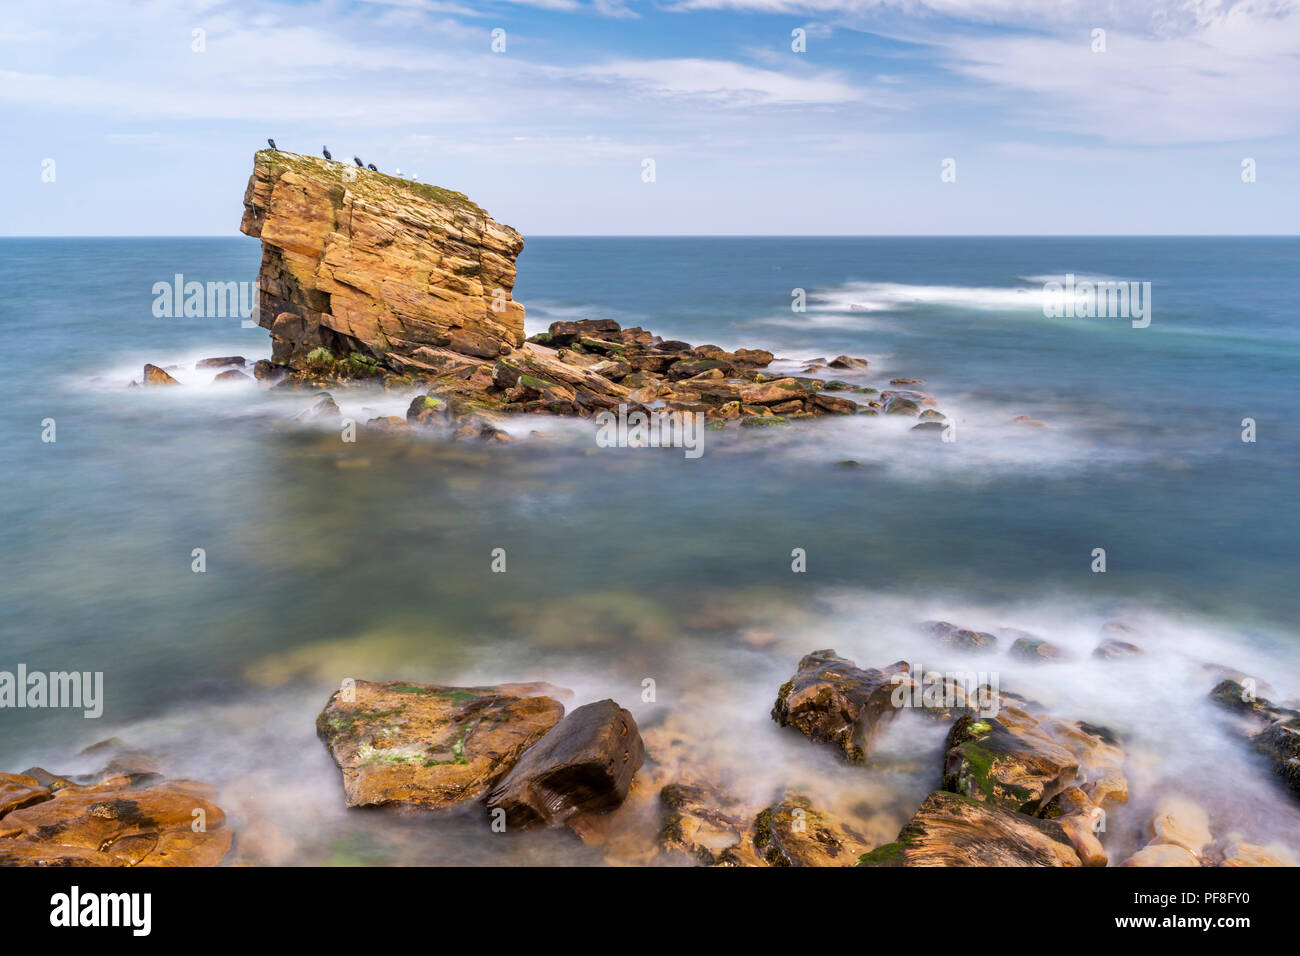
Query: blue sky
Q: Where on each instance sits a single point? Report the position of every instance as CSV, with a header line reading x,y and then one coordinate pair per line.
x,y
151,137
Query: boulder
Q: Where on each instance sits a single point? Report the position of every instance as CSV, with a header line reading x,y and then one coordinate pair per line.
x,y
1023,762
564,333
846,361
221,361
427,410
792,833
950,830
833,701
705,825
960,638
772,393
584,764
428,745
231,376
1035,650
325,407
1112,649
153,375
1007,760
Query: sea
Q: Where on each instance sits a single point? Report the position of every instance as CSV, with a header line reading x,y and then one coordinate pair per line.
x,y
225,566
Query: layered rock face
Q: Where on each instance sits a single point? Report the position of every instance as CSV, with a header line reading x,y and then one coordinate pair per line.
x,y
356,261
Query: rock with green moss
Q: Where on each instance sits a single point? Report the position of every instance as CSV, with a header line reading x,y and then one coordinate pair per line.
x,y
428,745
427,410
793,833
1020,762
833,701
951,830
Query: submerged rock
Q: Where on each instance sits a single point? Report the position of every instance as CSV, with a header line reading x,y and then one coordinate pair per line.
x,y
832,700
951,830
1276,732
585,764
428,745
960,638
1113,649
1035,650
221,361
153,375
705,825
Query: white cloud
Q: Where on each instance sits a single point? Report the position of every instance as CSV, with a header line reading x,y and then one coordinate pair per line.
x,y
726,83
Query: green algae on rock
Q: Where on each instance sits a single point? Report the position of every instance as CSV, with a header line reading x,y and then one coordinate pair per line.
x,y
428,745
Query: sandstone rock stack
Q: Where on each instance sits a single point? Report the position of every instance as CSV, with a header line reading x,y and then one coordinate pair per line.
x,y
359,262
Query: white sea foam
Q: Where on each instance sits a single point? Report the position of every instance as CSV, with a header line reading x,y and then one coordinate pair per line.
x,y
259,747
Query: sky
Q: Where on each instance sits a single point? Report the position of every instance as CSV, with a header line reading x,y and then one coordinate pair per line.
x,y
898,117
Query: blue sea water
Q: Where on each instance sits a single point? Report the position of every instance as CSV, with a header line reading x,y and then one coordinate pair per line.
x,y
373,560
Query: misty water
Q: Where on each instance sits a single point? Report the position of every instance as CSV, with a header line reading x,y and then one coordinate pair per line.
x,y
327,560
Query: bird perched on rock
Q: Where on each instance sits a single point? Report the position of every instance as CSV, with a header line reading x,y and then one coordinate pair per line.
x,y
271,143
372,166
326,151
357,160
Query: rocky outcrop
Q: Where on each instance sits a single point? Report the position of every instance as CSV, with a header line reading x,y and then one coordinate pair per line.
x,y
430,746
357,261
584,765
951,830
116,817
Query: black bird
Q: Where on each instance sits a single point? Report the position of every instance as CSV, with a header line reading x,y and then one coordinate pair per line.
x,y
357,160
372,166
271,143
326,151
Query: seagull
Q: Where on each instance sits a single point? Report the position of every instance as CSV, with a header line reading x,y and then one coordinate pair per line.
x,y
326,151
372,166
357,160
271,143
